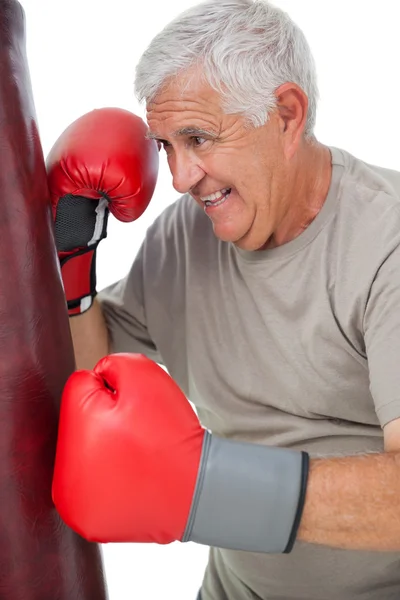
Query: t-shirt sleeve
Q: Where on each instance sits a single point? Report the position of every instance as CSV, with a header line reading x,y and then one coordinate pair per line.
x,y
124,311
382,338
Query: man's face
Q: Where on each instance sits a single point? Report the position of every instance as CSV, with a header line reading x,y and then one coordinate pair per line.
x,y
234,172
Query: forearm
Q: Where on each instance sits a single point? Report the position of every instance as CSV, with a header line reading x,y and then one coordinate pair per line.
x,y
353,503
89,336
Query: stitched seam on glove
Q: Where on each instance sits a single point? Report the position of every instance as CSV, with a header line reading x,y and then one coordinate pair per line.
x,y
199,486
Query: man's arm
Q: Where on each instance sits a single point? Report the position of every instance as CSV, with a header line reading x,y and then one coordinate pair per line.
x,y
227,494
102,163
89,336
354,502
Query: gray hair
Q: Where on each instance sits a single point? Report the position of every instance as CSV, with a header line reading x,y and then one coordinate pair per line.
x,y
246,50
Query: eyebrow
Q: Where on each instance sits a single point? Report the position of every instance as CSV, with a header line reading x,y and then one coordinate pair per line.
x,y
185,131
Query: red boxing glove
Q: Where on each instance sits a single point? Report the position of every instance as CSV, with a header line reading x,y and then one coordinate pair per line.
x,y
102,162
133,464
129,448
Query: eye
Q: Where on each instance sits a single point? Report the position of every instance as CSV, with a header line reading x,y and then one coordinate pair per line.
x,y
164,144
197,141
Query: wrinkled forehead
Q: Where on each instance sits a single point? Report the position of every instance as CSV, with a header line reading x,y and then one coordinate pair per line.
x,y
184,103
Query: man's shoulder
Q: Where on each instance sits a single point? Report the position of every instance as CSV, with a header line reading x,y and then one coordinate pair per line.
x,y
367,221
364,180
368,211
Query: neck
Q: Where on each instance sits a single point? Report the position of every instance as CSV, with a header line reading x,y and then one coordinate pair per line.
x,y
306,193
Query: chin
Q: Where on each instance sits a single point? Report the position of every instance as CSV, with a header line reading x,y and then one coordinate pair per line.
x,y
250,244
226,235
243,237
247,245
242,242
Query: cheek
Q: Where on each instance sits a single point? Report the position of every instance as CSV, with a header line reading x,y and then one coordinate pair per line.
x,y
225,167
247,179
253,185
244,170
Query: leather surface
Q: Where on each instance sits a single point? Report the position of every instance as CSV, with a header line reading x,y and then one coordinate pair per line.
x,y
40,558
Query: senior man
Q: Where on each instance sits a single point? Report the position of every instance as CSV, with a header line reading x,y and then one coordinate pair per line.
x,y
270,291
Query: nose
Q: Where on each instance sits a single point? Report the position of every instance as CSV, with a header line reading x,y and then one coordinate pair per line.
x,y
186,172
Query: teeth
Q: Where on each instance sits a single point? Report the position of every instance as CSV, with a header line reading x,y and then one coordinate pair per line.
x,y
216,196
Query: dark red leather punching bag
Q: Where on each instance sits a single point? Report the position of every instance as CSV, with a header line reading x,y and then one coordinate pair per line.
x,y
40,558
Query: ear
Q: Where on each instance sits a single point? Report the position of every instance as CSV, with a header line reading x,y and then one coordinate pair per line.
x,y
292,108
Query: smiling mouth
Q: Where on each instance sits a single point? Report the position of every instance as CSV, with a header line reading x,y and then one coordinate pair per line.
x,y
217,198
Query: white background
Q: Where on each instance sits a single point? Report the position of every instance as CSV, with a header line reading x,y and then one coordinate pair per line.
x,y
82,55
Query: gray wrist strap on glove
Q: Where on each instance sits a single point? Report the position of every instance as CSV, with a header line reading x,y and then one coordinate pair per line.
x,y
248,496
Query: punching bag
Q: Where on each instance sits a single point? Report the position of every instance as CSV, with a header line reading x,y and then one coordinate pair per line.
x,y
40,558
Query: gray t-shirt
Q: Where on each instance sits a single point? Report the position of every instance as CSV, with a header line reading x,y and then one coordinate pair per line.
x,y
296,346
